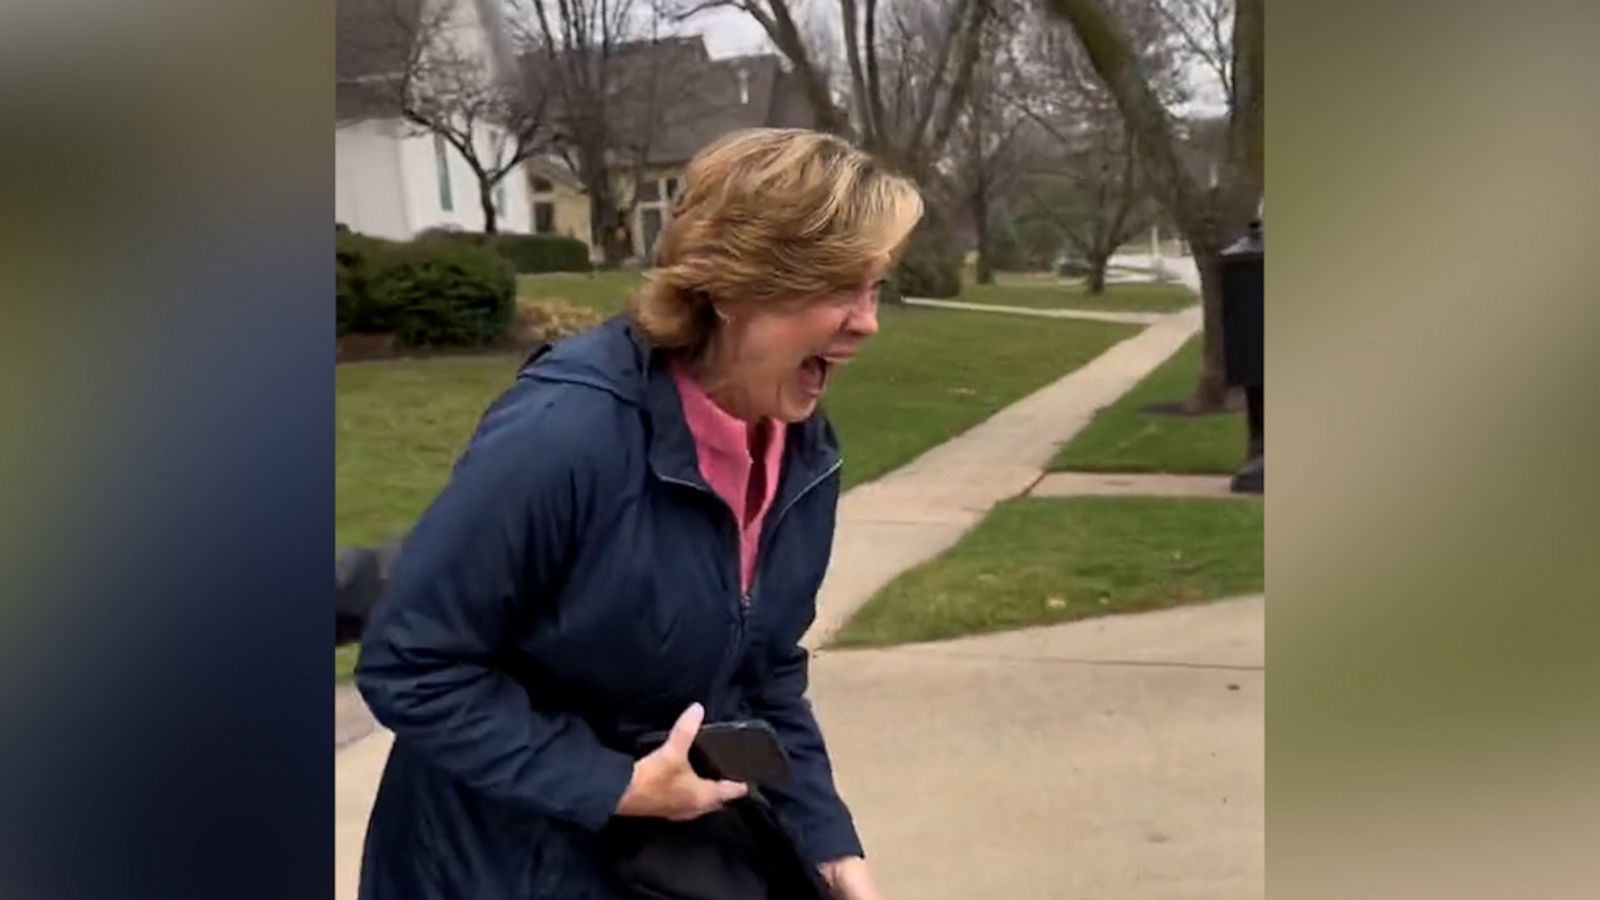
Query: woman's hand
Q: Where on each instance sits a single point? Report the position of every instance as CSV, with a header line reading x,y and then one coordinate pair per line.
x,y
850,879
665,786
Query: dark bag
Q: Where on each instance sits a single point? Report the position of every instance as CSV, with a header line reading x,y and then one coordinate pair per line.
x,y
740,852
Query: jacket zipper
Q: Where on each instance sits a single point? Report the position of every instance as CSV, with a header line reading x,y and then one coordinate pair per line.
x,y
738,581
746,596
761,552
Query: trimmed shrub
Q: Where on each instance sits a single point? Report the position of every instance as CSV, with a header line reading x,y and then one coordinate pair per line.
x,y
357,258
529,253
931,266
1006,253
436,293
443,233
534,253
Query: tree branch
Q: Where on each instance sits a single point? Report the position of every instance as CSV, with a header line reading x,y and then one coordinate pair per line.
x,y
858,80
1246,105
956,97
902,72
785,34
685,13
874,79
1112,57
958,18
1213,55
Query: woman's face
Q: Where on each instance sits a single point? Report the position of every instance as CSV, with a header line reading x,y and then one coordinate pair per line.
x,y
779,362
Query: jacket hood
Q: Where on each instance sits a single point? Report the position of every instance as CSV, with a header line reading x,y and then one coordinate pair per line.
x,y
611,357
616,358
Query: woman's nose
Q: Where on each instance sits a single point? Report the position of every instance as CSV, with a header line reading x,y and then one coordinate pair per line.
x,y
864,318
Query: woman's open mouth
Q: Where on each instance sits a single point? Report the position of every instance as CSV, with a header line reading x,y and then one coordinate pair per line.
x,y
814,375
815,371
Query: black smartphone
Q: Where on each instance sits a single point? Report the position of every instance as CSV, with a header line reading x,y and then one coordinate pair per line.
x,y
747,750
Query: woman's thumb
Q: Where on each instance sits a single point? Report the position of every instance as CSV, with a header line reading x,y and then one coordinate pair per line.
x,y
681,738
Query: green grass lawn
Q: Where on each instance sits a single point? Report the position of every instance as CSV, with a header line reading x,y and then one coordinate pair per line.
x,y
604,292
1036,561
344,661
929,375
1117,297
1124,438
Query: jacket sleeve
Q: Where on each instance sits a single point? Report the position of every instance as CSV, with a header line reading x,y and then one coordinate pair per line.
x,y
810,806
498,535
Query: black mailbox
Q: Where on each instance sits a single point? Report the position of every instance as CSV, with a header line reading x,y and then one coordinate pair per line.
x,y
1243,273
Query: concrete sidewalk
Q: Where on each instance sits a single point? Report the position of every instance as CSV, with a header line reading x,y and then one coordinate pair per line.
x,y
1135,484
1120,757
1111,758
1088,315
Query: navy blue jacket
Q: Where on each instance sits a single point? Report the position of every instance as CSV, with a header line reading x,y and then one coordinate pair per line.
x,y
574,587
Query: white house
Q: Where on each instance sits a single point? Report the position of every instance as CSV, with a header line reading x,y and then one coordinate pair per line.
x,y
391,179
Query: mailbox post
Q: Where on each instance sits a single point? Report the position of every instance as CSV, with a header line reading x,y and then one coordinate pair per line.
x,y
1243,285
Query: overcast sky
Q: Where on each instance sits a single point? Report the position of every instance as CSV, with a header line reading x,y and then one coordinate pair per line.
x,y
729,32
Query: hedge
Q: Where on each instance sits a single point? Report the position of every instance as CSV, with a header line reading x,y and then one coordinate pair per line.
x,y
428,293
529,253
931,266
534,253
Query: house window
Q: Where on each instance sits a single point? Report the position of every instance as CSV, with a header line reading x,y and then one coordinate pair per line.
x,y
649,191
672,188
544,218
542,186
500,195
441,164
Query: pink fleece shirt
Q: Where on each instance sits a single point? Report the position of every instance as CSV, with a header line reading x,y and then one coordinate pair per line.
x,y
722,443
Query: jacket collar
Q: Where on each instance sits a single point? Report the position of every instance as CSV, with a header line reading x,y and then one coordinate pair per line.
x,y
810,448
615,357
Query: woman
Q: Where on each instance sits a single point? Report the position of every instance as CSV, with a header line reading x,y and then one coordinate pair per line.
x,y
633,541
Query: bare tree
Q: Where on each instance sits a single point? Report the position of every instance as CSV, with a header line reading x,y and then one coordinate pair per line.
x,y
910,67
617,88
1202,29
1093,197
1209,215
986,156
416,59
1087,185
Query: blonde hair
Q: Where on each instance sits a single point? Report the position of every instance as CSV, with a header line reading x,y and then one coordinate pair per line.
x,y
770,216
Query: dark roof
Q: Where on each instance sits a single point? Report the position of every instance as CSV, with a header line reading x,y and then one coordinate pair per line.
x,y
671,98
372,41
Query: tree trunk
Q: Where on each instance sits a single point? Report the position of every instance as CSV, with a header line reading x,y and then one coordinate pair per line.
x,y
980,217
606,226
618,246
599,228
1211,390
1097,273
486,200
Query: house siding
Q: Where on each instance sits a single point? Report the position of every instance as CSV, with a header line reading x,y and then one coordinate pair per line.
x,y
368,195
386,174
